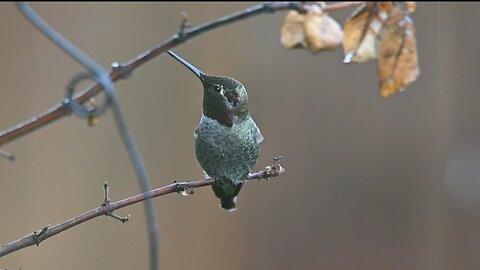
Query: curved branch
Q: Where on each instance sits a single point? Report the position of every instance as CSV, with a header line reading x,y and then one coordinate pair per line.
x,y
107,208
122,70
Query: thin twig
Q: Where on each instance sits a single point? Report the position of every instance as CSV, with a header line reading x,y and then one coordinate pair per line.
x,y
37,237
120,71
106,203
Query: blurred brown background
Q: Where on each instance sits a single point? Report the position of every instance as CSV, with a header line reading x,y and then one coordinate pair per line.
x,y
371,183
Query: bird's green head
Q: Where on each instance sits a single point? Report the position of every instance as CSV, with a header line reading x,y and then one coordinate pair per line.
x,y
224,98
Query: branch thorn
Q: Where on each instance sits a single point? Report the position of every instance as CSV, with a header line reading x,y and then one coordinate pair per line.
x,y
106,200
183,25
119,218
106,203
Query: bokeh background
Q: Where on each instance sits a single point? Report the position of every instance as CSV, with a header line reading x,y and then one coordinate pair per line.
x,y
371,183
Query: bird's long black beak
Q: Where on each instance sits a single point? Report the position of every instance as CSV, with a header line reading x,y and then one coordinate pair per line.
x,y
195,70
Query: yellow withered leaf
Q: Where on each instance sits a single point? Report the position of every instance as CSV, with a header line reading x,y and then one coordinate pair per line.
x,y
397,63
360,31
322,32
292,35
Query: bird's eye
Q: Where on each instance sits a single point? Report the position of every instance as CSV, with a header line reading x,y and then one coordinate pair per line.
x,y
217,88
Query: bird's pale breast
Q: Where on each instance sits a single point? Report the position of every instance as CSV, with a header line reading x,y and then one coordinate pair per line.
x,y
229,152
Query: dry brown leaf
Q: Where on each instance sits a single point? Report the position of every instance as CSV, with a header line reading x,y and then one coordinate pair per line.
x,y
387,7
293,35
411,6
397,54
380,30
322,32
361,30
315,31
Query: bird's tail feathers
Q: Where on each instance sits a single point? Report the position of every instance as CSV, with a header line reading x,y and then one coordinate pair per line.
x,y
227,193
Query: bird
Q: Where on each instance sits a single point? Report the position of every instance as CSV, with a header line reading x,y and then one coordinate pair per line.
x,y
227,139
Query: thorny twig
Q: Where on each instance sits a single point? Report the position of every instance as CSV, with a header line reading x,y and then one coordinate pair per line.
x,y
106,203
183,187
123,70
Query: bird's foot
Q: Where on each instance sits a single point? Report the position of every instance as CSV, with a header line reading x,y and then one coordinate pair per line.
x,y
184,188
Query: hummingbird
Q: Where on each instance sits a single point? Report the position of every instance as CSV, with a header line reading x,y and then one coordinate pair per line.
x,y
227,140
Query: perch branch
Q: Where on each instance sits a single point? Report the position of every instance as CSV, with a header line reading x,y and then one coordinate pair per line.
x,y
107,208
120,71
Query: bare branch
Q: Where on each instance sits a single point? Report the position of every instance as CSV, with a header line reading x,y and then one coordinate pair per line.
x,y
37,237
120,71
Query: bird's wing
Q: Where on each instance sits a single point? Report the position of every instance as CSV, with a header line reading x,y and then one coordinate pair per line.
x,y
257,134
